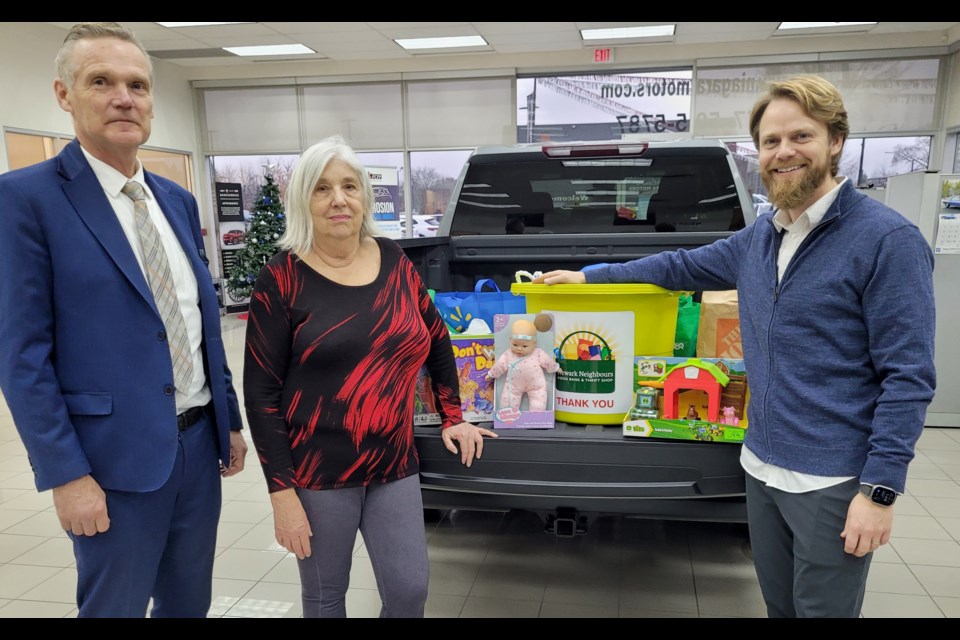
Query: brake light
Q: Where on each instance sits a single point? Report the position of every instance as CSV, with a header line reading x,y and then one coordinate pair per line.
x,y
595,150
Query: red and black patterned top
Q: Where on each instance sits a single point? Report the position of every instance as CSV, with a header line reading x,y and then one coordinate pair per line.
x,y
330,370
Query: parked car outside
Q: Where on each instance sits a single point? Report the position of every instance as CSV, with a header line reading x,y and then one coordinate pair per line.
x,y
424,226
761,204
952,201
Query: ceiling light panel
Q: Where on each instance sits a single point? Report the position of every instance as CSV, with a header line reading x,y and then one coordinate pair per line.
x,y
271,50
176,25
441,43
786,26
656,31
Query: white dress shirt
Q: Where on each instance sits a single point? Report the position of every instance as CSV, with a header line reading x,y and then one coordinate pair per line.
x,y
184,280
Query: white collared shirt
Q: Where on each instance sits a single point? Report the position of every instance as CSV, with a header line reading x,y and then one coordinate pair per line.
x,y
184,280
794,234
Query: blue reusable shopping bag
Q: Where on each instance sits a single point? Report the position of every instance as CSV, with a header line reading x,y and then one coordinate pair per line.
x,y
459,308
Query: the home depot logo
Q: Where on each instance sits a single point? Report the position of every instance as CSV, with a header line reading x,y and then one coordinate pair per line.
x,y
728,338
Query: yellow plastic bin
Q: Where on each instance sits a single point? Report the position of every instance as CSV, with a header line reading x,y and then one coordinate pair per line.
x,y
654,308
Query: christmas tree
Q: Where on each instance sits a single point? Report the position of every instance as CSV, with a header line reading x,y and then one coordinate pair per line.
x,y
260,240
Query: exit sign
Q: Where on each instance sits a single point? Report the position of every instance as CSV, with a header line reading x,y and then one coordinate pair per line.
x,y
603,55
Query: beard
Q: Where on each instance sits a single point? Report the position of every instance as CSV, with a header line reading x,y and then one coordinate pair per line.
x,y
791,194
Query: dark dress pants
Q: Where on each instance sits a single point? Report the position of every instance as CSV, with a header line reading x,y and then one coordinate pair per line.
x,y
160,544
798,552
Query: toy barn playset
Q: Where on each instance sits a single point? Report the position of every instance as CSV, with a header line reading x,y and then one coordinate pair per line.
x,y
701,399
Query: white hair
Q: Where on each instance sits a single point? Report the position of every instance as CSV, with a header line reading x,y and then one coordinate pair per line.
x,y
298,237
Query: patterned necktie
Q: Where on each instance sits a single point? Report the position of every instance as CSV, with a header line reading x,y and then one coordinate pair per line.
x,y
161,283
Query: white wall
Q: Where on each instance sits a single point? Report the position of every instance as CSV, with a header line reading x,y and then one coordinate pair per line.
x,y
27,101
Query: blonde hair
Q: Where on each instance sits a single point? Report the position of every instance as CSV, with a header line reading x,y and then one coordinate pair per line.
x,y
298,236
818,98
66,70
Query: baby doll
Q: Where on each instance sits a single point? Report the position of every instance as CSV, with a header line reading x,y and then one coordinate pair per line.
x,y
524,364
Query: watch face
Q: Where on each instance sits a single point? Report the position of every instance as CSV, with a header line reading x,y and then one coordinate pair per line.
x,y
883,496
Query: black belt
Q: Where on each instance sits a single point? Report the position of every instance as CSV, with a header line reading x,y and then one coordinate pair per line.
x,y
190,417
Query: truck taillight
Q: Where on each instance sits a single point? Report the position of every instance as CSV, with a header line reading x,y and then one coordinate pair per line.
x,y
595,150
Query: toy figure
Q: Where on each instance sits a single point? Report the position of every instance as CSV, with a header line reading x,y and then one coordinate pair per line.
x,y
425,393
524,364
645,405
484,401
468,387
692,413
730,416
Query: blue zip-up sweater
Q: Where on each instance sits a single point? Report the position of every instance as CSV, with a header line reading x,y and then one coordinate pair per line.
x,y
839,355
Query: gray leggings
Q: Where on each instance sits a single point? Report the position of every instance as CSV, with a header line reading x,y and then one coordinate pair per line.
x,y
390,518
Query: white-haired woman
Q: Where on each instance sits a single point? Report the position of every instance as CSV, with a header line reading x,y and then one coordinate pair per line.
x,y
339,326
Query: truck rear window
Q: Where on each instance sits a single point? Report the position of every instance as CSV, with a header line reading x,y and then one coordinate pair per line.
x,y
520,193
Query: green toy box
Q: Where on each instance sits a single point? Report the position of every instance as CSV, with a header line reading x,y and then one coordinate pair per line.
x,y
680,398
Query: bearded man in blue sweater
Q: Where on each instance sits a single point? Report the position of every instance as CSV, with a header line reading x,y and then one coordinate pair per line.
x,y
837,323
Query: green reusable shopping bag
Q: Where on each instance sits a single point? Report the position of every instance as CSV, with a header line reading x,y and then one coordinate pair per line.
x,y
688,322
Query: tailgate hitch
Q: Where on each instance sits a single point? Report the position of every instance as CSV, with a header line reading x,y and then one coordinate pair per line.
x,y
565,523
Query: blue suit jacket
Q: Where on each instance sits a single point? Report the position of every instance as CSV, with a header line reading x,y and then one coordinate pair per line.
x,y
83,367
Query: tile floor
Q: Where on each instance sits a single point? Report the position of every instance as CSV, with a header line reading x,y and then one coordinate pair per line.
x,y
493,565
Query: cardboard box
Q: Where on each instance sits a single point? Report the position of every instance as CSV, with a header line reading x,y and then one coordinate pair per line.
x,y
425,403
521,416
474,356
682,430
702,399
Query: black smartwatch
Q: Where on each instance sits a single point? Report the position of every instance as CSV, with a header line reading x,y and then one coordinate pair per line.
x,y
883,496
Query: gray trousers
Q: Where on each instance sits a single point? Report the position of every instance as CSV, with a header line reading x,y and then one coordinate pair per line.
x,y
389,516
798,552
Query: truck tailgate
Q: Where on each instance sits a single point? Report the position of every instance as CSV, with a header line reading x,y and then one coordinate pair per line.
x,y
590,469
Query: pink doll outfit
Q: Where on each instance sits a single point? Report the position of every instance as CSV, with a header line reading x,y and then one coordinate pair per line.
x,y
524,376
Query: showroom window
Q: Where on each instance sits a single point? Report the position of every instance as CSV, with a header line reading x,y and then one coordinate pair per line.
x,y
433,175
458,113
867,161
956,155
368,116
443,121
249,171
251,120
603,106
889,96
423,125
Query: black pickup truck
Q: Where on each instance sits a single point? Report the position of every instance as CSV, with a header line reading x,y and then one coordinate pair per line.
x,y
555,206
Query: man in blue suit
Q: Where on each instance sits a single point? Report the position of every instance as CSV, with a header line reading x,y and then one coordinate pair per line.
x,y
131,434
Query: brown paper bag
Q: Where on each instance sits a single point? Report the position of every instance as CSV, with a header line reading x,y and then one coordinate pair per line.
x,y
719,332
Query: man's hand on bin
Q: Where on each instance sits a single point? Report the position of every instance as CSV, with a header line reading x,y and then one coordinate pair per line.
x,y
561,277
